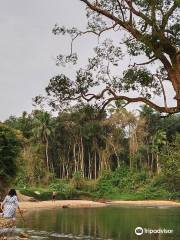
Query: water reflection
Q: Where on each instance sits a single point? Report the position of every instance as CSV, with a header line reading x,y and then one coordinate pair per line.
x,y
102,223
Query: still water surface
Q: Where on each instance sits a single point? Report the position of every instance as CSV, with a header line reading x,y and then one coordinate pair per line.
x,y
116,223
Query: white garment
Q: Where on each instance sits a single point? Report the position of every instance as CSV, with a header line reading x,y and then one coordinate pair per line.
x,y
9,205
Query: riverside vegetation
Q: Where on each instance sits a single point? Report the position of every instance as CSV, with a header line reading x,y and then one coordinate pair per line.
x,y
94,147
117,155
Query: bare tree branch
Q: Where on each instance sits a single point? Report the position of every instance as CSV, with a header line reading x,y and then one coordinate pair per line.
x,y
107,14
168,14
122,13
144,63
132,100
163,90
135,33
138,13
90,31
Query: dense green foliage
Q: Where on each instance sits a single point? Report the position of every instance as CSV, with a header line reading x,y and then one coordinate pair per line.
x,y
10,142
100,150
112,155
121,184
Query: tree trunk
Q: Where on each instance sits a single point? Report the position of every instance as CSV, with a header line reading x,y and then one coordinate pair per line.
x,y
74,156
148,164
79,158
158,164
89,159
175,77
95,165
152,162
100,160
63,170
117,157
82,156
47,157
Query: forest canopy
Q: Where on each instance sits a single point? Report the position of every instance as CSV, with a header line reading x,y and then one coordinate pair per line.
x,y
119,148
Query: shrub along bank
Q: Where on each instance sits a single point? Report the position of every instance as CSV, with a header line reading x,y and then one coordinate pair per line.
x,y
121,184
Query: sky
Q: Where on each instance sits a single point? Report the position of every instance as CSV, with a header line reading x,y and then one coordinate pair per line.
x,y
28,48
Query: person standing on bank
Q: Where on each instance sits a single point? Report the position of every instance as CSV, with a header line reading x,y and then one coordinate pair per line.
x,y
54,196
10,204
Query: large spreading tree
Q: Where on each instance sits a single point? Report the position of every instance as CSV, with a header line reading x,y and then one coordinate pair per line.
x,y
146,29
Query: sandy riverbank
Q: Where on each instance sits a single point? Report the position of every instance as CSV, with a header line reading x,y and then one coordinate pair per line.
x,y
61,203
88,204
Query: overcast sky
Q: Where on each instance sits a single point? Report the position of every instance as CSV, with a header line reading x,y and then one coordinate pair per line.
x,y
28,48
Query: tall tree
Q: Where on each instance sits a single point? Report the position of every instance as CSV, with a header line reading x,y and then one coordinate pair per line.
x,y
22,123
150,29
42,131
158,141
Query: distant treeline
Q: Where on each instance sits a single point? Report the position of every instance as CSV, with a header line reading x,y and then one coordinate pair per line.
x,y
39,147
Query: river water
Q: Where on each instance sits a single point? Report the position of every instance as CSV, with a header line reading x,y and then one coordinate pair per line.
x,y
114,222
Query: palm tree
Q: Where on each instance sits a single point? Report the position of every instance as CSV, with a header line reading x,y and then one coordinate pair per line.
x,y
42,130
158,141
